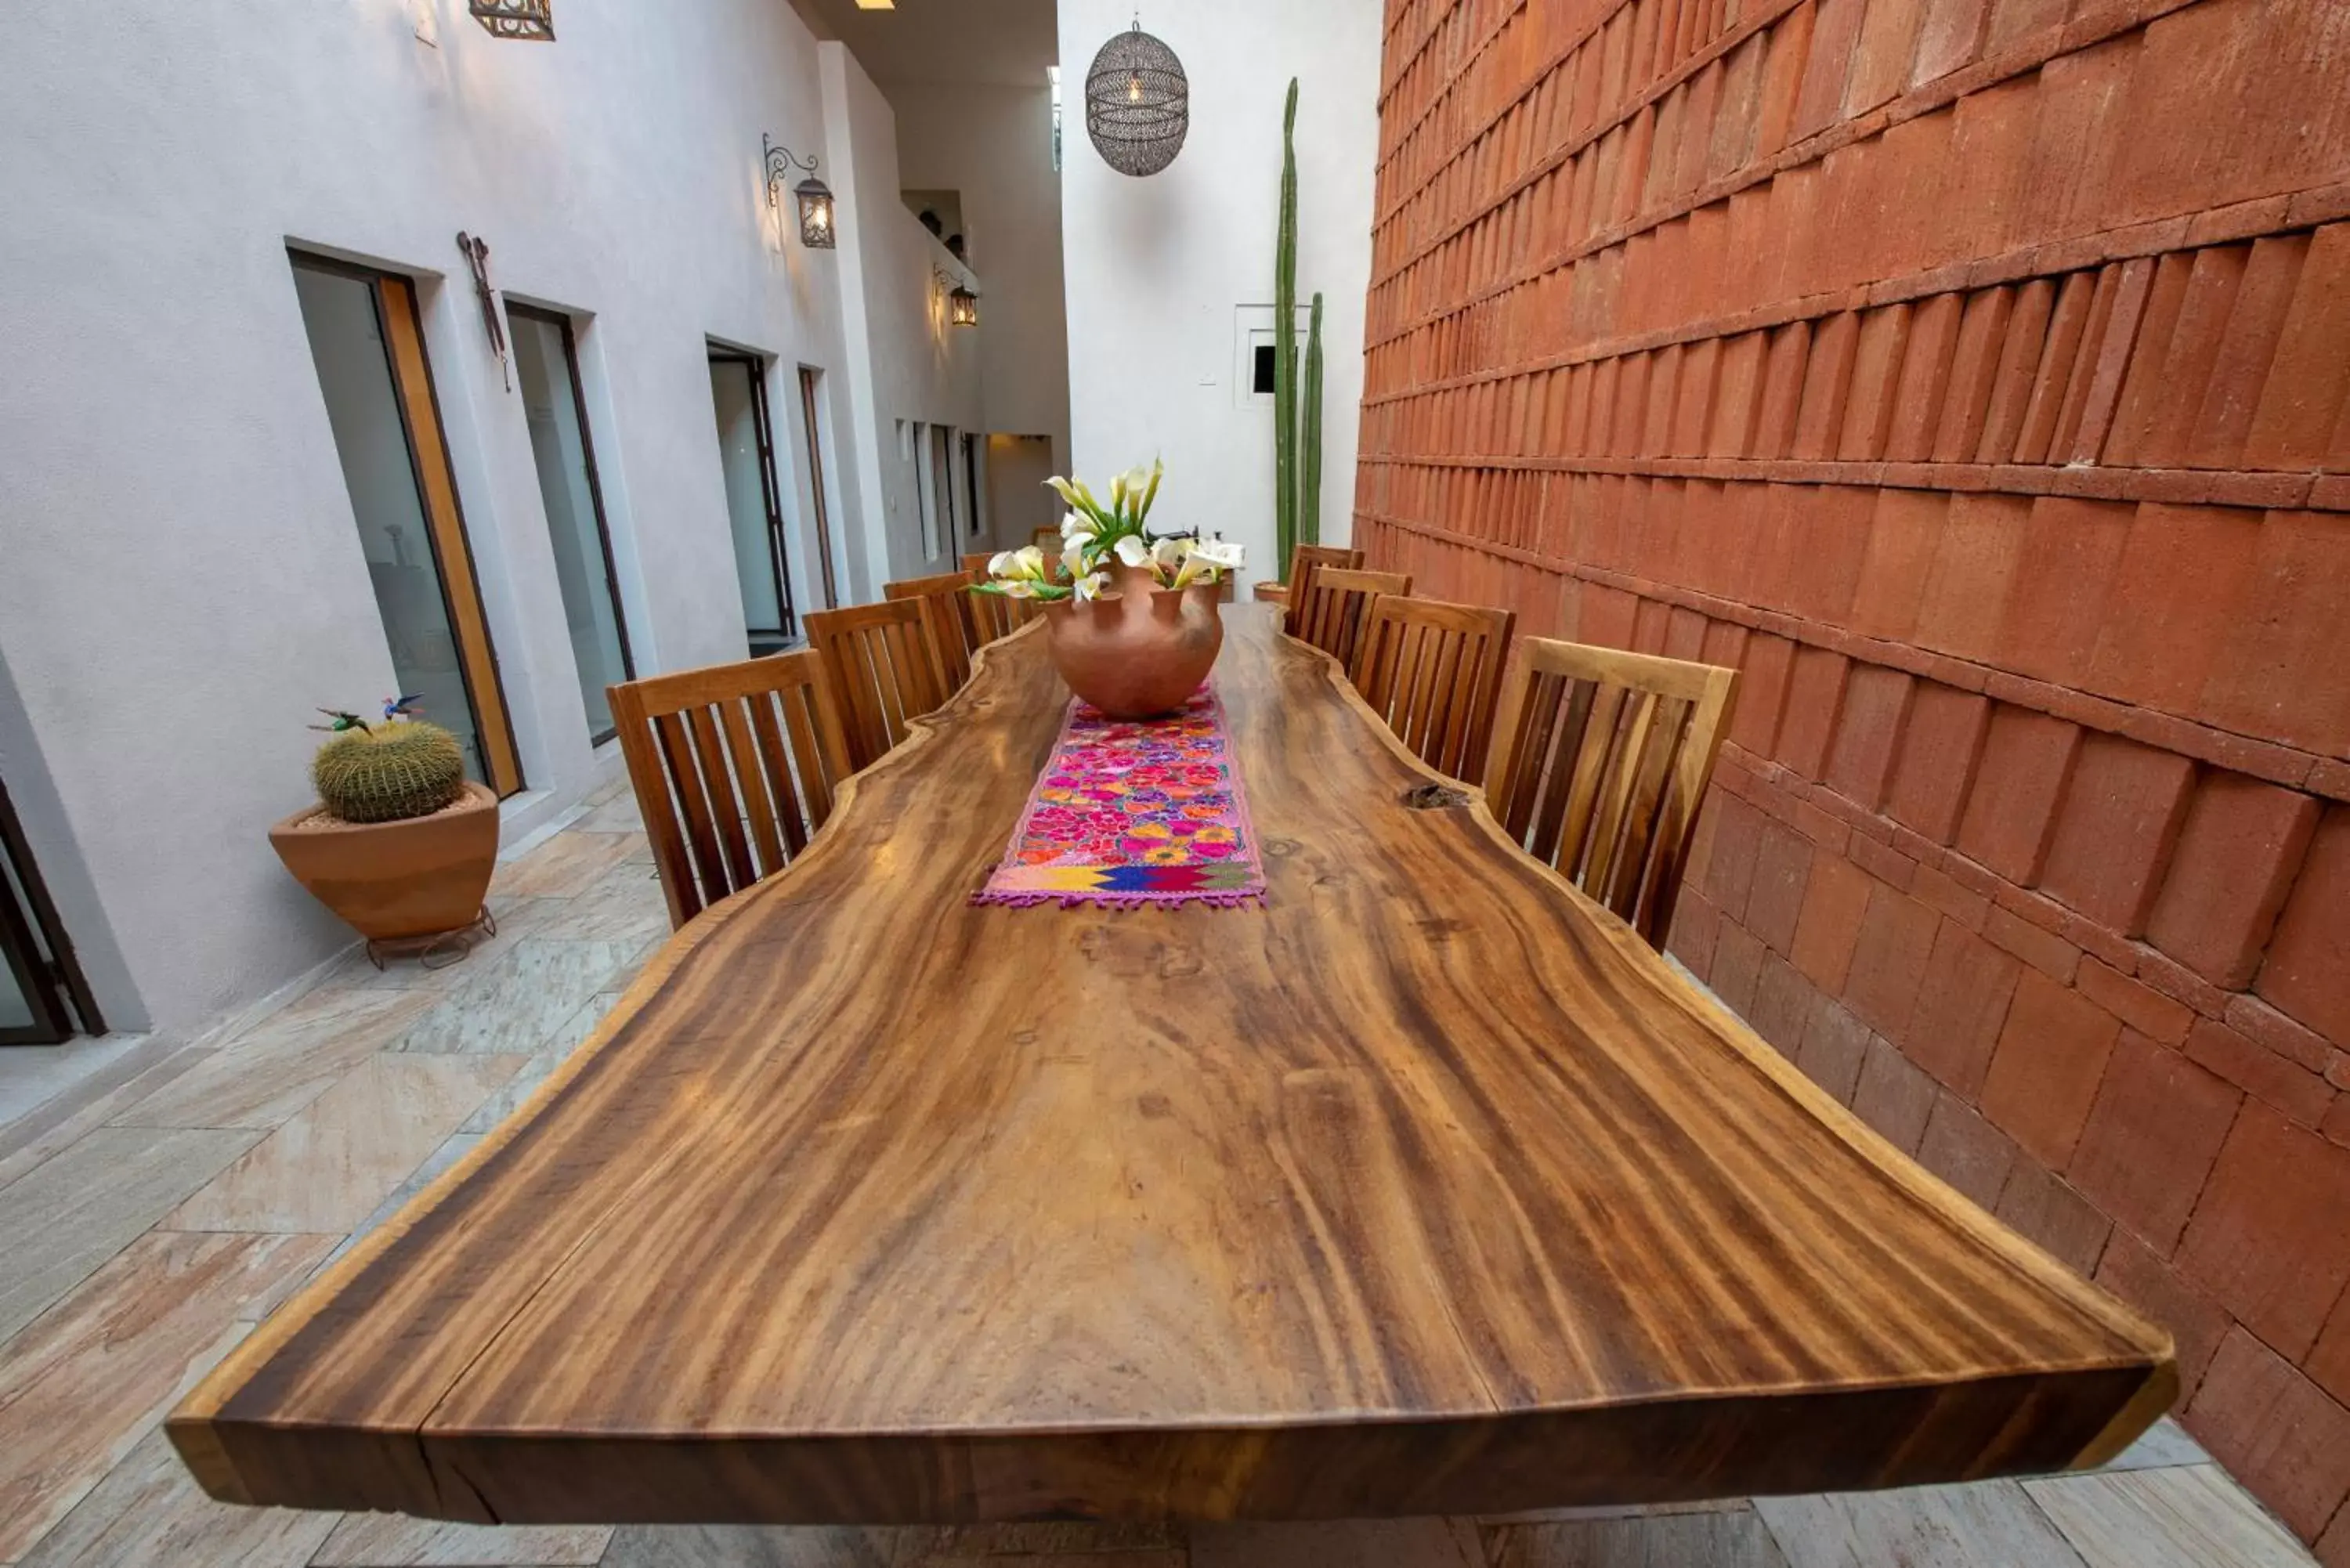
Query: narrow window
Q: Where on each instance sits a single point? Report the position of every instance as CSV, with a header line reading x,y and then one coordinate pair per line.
x,y
546,359
811,430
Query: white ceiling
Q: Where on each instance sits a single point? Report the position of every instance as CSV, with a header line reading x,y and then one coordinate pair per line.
x,y
1004,41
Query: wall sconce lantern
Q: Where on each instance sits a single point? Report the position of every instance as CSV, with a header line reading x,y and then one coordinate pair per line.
x,y
1137,103
816,229
528,19
962,304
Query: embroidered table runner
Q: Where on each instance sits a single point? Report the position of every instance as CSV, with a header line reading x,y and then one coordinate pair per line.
x,y
1134,814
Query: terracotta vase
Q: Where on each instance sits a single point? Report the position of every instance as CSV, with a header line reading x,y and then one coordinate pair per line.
x,y
397,879
1138,650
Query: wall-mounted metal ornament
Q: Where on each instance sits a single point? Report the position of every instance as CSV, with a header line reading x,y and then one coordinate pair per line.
x,y
533,20
1137,103
817,231
476,252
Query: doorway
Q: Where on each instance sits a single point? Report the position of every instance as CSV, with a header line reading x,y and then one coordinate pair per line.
x,y
746,453
1017,501
546,362
367,344
44,1000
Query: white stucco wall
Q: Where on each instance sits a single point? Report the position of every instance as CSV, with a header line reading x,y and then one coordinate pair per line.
x,y
180,583
1157,267
921,368
993,145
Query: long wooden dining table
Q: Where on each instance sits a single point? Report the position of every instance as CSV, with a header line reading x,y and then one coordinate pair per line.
x,y
1423,1188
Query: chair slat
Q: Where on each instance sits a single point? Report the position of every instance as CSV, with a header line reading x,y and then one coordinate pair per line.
x,y
685,779
749,778
1600,760
709,765
1556,779
725,806
1586,788
1432,670
650,781
776,764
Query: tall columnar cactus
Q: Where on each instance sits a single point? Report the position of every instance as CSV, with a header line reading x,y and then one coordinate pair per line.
x,y
1309,461
1284,350
389,774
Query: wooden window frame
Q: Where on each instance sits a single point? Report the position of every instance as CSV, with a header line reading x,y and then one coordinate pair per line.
x,y
399,318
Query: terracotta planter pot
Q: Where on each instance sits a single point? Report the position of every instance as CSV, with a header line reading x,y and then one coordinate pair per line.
x,y
1138,650
395,880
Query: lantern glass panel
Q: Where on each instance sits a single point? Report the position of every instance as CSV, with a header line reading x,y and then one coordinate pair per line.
x,y
815,215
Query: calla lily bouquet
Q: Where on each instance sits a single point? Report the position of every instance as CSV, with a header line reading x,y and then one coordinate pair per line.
x,y
1094,535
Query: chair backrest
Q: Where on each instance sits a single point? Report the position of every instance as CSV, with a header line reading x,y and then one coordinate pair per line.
x,y
1600,763
1303,562
882,669
1433,671
1341,603
945,601
733,768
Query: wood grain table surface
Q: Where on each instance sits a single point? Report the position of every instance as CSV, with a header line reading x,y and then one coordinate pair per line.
x,y
1424,1188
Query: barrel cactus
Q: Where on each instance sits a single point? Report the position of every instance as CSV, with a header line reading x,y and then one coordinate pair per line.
x,y
389,773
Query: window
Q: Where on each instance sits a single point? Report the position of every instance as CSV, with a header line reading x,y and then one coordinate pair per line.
x,y
746,450
1052,76
971,484
546,358
942,487
43,997
811,429
368,343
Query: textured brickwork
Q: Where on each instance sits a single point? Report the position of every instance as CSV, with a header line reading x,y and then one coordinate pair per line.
x,y
1975,376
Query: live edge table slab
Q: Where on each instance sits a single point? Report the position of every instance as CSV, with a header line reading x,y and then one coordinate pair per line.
x,y
1423,1188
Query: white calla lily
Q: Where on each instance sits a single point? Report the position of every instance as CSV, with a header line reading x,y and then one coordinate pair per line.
x,y
1088,587
1000,563
1225,553
1132,551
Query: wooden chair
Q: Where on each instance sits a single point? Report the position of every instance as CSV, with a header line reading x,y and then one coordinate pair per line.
x,y
714,752
1599,766
1303,562
945,601
1341,603
882,669
1433,671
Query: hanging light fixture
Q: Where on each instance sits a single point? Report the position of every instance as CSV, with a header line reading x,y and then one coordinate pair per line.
x,y
1137,103
962,304
817,231
529,19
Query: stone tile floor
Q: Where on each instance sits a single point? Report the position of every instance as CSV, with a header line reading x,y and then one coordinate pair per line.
x,y
147,1224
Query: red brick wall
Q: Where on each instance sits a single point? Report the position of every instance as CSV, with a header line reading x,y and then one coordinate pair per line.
x,y
1972,375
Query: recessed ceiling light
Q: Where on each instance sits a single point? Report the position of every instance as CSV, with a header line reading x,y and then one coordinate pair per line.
x,y
877,4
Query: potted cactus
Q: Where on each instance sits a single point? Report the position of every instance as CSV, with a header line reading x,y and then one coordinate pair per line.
x,y
402,844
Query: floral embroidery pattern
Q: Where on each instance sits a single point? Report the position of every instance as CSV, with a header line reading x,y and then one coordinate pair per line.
x,y
1129,814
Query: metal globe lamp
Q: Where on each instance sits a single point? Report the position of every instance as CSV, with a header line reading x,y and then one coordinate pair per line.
x,y
1137,103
